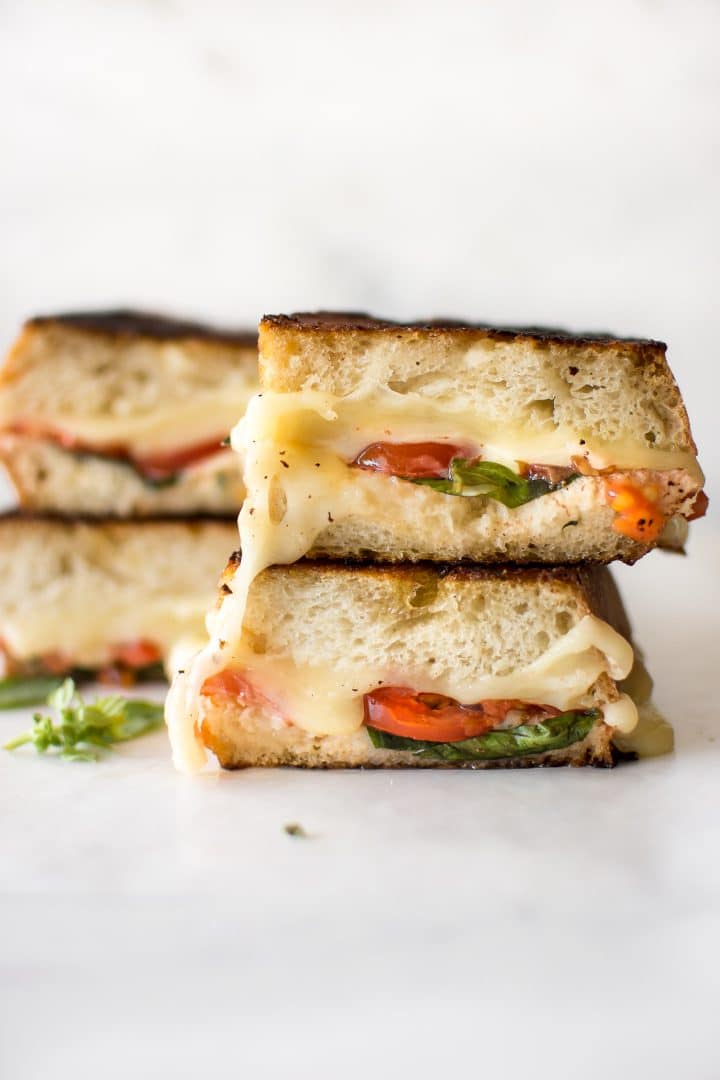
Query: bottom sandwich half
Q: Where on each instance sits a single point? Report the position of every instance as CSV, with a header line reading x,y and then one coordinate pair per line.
x,y
104,597
346,665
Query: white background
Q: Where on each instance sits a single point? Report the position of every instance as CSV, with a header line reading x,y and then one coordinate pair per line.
x,y
513,162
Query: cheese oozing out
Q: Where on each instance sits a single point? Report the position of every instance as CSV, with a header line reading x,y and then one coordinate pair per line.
x,y
296,448
326,699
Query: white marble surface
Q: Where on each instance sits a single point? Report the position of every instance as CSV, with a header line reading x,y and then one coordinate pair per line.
x,y
558,924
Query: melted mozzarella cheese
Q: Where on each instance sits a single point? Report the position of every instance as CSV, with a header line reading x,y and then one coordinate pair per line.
x,y
166,428
87,633
295,448
327,700
347,425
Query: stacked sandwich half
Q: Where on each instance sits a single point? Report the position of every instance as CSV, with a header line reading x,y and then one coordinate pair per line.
x,y
428,512
110,431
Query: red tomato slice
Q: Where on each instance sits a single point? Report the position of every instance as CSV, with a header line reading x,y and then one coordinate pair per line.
x,y
637,514
137,654
412,460
56,663
231,684
435,718
160,466
154,466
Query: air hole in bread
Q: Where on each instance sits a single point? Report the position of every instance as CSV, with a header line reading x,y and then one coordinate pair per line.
x,y
277,501
423,594
650,436
542,409
542,639
257,642
563,622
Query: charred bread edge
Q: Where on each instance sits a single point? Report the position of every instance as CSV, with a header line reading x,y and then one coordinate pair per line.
x,y
347,322
127,323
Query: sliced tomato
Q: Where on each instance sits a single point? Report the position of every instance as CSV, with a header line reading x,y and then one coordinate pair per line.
x,y
414,461
160,466
230,683
137,654
157,466
399,710
637,513
56,663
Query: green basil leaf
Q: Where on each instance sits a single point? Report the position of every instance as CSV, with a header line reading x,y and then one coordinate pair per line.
x,y
158,482
18,691
62,697
138,717
470,478
553,734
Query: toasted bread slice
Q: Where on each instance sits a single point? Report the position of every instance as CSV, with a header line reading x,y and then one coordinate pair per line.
x,y
121,413
575,427
318,639
613,389
93,595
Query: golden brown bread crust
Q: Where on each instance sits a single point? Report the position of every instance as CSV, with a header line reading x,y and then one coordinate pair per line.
x,y
342,322
128,323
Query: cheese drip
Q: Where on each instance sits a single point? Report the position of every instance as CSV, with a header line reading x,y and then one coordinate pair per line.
x,y
295,448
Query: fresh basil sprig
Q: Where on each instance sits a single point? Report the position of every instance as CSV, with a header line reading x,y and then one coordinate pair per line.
x,y
553,734
492,480
81,726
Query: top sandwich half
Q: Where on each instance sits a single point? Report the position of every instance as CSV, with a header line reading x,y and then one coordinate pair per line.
x,y
447,441
120,414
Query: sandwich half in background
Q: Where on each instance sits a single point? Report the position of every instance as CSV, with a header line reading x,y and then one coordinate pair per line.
x,y
111,427
111,597
420,665
450,442
123,414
